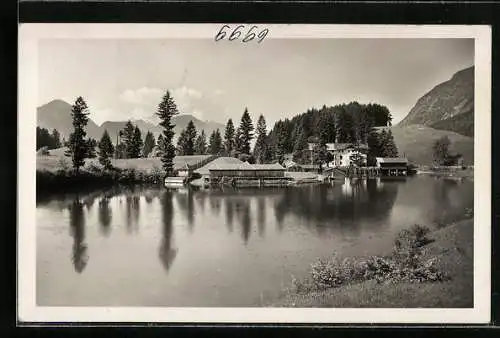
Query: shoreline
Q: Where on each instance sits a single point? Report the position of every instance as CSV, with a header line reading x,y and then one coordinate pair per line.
x,y
450,250
53,175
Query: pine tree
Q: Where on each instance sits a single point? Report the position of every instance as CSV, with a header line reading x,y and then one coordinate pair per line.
x,y
91,145
56,139
391,150
166,110
137,143
345,129
441,150
237,143
260,150
300,148
215,143
106,150
181,143
77,147
280,141
160,143
229,138
149,144
200,145
246,133
374,149
190,139
127,136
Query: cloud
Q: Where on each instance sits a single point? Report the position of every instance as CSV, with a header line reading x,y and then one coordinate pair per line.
x,y
141,96
142,103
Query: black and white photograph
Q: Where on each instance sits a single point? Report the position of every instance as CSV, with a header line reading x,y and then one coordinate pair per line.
x,y
261,173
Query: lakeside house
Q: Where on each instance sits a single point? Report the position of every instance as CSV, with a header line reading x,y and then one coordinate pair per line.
x,y
343,154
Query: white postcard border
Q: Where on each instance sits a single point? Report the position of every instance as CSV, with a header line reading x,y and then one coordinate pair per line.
x,y
28,311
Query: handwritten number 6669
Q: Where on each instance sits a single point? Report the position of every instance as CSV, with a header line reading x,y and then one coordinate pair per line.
x,y
238,31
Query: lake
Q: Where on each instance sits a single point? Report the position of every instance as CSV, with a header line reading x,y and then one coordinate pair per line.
x,y
221,247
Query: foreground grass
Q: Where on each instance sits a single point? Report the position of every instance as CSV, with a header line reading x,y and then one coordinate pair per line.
x,y
451,254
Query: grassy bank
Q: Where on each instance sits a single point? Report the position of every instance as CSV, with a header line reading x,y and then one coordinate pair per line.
x,y
425,269
91,177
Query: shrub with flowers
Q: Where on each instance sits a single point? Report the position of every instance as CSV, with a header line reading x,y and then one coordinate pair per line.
x,y
405,264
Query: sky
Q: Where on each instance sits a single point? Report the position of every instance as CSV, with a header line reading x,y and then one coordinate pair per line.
x,y
123,79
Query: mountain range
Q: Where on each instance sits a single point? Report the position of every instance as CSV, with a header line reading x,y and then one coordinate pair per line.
x,y
57,115
447,106
446,110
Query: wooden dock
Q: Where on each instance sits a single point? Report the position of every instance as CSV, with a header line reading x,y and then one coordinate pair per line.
x,y
363,172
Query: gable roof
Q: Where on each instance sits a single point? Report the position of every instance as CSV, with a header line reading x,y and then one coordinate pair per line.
x,y
344,146
221,162
272,166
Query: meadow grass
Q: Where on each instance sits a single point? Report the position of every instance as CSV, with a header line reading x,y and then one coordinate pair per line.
x,y
425,269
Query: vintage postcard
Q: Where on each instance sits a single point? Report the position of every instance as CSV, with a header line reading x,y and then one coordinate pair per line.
x,y
254,173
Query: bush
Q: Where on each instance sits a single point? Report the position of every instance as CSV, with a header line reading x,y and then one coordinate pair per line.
x,y
404,264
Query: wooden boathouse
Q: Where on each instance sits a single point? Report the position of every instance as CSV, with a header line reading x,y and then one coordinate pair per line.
x,y
248,175
392,166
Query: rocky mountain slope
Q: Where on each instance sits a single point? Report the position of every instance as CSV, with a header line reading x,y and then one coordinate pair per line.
x,y
448,106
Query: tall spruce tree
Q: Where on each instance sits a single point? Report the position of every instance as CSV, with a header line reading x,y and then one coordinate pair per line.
x,y
237,142
149,144
280,141
190,138
215,143
229,138
137,143
200,145
77,145
181,143
127,137
260,151
106,150
166,110
391,149
246,133
300,153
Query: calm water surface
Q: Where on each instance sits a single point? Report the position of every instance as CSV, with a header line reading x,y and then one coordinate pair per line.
x,y
159,247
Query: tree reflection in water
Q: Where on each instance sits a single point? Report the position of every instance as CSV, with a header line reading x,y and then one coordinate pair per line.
x,y
246,221
261,215
167,252
132,212
444,212
185,201
79,256
105,215
229,208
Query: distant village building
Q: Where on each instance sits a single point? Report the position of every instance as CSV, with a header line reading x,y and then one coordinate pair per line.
x,y
292,166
